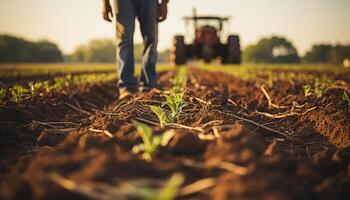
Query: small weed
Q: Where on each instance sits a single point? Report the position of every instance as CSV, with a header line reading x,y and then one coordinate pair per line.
x,y
17,93
171,188
346,98
144,190
47,86
61,82
307,90
320,89
175,102
162,115
150,142
34,87
2,94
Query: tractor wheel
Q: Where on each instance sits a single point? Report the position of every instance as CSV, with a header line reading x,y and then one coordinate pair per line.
x,y
178,51
232,52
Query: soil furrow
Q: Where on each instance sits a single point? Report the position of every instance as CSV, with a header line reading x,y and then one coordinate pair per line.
x,y
241,160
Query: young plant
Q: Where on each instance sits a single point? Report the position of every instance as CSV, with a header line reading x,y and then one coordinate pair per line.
x,y
150,142
175,102
307,90
170,189
17,93
34,87
320,88
145,190
346,98
2,94
47,87
162,115
60,82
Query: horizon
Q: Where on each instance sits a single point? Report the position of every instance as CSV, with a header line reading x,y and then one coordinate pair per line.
x,y
303,23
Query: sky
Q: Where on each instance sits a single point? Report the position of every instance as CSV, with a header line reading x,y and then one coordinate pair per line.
x,y
72,22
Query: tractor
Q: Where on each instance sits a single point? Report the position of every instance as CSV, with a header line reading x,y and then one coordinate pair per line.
x,y
207,44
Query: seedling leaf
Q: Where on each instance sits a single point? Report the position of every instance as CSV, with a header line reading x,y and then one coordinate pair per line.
x,y
150,142
166,137
161,114
146,134
346,98
307,89
169,191
2,94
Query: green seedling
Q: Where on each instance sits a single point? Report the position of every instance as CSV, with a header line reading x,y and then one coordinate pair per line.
x,y
34,87
163,117
320,89
17,93
175,102
170,189
2,94
60,82
307,90
150,142
143,189
346,98
47,87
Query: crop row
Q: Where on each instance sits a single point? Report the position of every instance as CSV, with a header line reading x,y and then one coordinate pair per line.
x,y
18,93
174,101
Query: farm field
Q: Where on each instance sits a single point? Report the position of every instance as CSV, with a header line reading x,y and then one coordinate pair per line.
x,y
209,132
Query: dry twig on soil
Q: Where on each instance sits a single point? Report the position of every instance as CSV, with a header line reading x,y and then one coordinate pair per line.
x,y
269,99
224,165
58,127
106,132
257,124
208,137
232,102
197,186
172,125
77,109
284,114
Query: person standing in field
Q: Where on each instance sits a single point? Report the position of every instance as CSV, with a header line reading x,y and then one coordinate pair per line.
x,y
148,13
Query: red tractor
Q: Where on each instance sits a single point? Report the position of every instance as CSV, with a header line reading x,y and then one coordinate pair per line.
x,y
207,44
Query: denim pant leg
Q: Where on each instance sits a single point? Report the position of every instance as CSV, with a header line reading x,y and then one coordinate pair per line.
x,y
126,14
147,16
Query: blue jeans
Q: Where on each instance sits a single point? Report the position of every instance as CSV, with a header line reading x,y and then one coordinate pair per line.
x,y
146,13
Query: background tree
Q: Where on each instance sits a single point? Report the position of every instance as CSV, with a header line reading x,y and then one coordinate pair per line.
x,y
326,53
14,49
338,54
95,51
318,53
271,50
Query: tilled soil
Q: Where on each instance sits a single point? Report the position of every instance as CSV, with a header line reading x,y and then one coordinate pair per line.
x,y
225,143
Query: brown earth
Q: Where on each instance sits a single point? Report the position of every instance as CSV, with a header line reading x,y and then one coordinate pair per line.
x,y
240,154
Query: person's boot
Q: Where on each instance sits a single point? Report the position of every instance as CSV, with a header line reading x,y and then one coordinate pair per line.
x,y
125,93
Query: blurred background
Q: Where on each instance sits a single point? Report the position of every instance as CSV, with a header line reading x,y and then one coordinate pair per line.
x,y
74,31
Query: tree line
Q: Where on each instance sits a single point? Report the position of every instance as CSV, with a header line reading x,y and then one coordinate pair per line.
x,y
280,50
18,50
267,50
14,49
